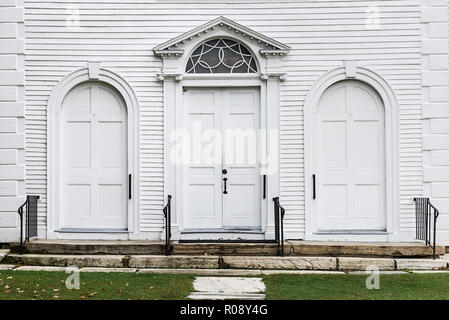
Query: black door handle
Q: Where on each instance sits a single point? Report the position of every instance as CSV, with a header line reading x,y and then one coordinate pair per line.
x,y
264,194
129,186
225,185
314,186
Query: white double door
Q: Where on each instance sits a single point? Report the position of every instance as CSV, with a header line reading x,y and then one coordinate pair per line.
x,y
221,179
93,191
348,160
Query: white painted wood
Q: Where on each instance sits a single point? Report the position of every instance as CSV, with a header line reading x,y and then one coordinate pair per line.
x,y
322,36
241,122
349,159
55,102
203,194
222,126
175,81
93,158
435,99
12,109
392,217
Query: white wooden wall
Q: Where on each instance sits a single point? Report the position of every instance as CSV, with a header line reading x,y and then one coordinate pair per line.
x,y
435,82
322,34
12,122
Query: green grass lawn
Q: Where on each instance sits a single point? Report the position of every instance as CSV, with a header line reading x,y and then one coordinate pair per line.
x,y
352,287
51,286
135,286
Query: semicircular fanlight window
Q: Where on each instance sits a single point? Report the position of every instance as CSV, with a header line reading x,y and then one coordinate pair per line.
x,y
221,56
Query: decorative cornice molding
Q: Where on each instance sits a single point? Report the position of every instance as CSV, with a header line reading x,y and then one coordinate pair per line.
x,y
273,52
268,45
169,53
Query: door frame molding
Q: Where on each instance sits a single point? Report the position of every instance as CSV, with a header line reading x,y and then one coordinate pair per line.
x,y
174,53
350,71
95,73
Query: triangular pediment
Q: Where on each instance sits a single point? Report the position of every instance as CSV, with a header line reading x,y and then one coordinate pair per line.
x,y
174,47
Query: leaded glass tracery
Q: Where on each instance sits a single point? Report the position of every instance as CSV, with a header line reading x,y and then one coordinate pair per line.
x,y
221,56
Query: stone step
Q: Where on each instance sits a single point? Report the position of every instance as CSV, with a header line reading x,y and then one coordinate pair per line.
x,y
226,262
88,247
363,249
3,253
292,248
108,261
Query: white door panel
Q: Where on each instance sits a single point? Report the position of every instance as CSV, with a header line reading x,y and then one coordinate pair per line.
x,y
241,121
93,159
205,203
349,159
202,189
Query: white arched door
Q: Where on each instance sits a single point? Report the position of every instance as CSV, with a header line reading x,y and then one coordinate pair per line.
x,y
93,159
348,160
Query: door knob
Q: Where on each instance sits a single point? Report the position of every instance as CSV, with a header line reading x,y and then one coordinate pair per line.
x,y
224,171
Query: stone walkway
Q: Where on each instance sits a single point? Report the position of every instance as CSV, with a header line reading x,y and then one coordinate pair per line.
x,y
228,288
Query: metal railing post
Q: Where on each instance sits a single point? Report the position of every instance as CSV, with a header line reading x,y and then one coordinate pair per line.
x,y
167,216
279,212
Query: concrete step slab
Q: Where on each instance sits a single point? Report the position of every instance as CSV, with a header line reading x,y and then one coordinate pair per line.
x,y
42,268
225,296
280,263
225,288
354,264
430,271
6,266
229,285
300,272
108,270
420,264
205,272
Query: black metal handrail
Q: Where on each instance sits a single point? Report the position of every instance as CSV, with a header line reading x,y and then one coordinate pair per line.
x,y
279,213
167,217
426,222
30,220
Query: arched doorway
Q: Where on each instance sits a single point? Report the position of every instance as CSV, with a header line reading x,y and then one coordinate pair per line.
x,y
348,159
93,159
229,76
222,191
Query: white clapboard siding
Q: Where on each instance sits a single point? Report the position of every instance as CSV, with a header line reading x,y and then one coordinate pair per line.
x,y
435,34
322,34
12,135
